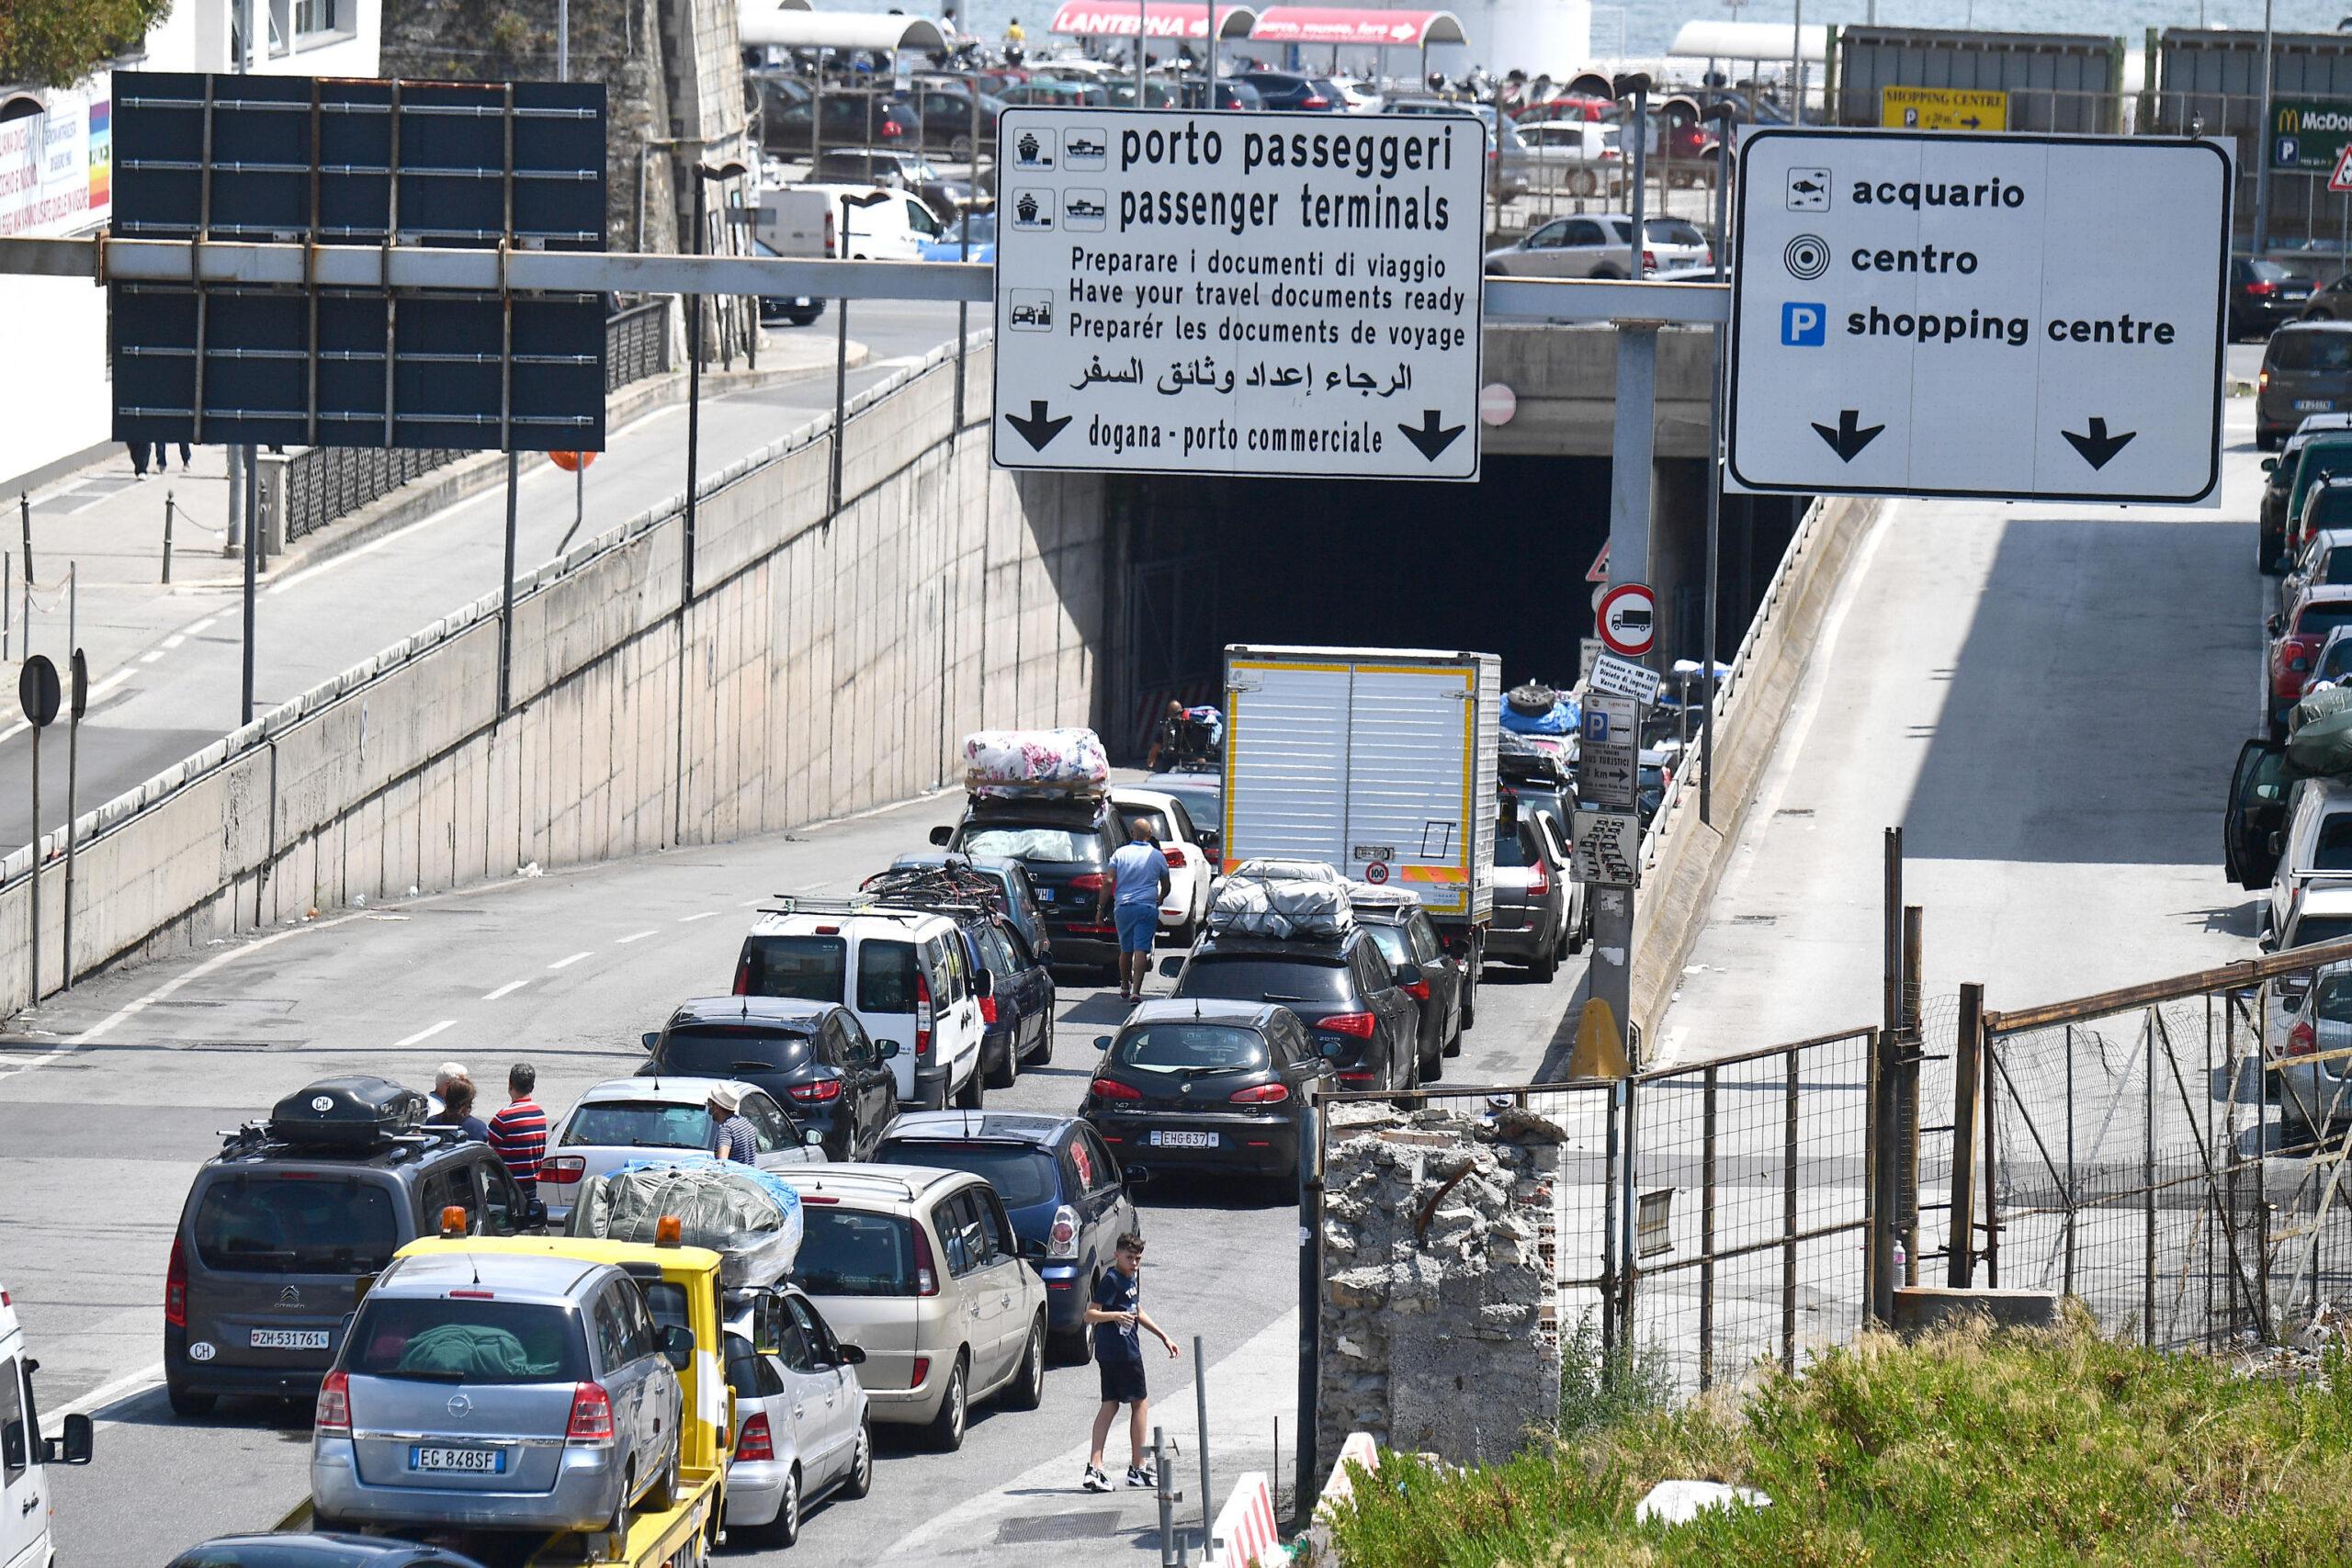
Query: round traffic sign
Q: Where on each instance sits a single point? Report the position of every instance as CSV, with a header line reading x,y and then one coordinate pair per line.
x,y
1497,403
1627,619
37,689
1376,872
571,462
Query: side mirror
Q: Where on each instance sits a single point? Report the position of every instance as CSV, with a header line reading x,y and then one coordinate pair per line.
x,y
852,1355
1033,1249
2270,465
74,1446
812,1137
2271,626
535,1214
941,834
677,1345
887,1050
649,1040
1135,1176
1408,974
1172,966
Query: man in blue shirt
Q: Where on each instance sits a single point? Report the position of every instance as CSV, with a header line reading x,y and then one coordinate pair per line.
x,y
1138,881
1116,1313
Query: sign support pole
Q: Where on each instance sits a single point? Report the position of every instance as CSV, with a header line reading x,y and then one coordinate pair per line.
x,y
253,568
1631,456
506,597
2269,136
1714,479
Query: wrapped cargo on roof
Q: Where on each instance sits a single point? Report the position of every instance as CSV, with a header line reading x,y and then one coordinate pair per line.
x,y
1035,763
749,1217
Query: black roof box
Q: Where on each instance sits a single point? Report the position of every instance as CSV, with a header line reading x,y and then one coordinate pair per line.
x,y
348,1112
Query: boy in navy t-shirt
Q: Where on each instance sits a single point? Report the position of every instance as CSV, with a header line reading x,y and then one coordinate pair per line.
x,y
1115,1315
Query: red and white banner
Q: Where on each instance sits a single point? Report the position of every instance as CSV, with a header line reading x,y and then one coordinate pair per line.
x,y
56,167
1349,25
1244,1535
1155,18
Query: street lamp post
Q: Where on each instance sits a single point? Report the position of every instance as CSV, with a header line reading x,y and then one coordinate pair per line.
x,y
704,174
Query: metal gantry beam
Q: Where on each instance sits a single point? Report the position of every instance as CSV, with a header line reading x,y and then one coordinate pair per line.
x,y
494,272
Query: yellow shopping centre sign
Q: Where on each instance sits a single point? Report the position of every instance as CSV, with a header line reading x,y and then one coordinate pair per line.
x,y
1943,109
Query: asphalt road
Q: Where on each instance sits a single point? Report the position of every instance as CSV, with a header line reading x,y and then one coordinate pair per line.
x,y
2049,701
98,1144
166,668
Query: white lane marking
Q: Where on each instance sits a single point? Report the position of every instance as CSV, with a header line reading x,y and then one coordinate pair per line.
x,y
568,963
77,511
507,989
202,626
689,920
175,640
422,1035
150,657
99,690
635,936
101,1396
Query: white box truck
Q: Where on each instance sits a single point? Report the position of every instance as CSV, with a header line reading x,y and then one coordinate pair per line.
x,y
1379,762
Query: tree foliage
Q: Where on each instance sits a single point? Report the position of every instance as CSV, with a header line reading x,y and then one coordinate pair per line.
x,y
54,43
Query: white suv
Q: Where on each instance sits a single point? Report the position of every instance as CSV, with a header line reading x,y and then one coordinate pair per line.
x,y
904,973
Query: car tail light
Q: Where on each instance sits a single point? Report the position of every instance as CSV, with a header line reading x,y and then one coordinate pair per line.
x,y
1649,261
816,1093
988,1010
926,1282
1359,1025
2261,381
743,972
828,233
2302,1039
2261,286
1112,1089
1174,857
333,1410
1087,882
1361,1078
1314,102
921,1370
1539,881
923,1013
592,1415
1262,1094
1417,989
1063,1240
755,1443
176,1287
564,1172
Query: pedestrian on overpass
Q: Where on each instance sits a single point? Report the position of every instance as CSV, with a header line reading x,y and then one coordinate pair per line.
x,y
519,1131
1116,1313
1138,882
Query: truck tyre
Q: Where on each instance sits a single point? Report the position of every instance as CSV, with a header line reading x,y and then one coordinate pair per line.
x,y
968,1097
186,1402
1027,1389
946,1429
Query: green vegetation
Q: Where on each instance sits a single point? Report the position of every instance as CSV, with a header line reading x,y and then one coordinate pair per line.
x,y
1970,1447
55,43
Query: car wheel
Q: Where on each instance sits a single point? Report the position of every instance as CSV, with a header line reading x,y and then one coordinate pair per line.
x,y
1003,1072
1076,1347
968,1097
1608,275
1434,1067
1469,1008
1584,182
959,148
185,1401
1027,1391
1043,1051
2264,440
784,1528
665,1495
946,1429
802,318
860,1479
1544,968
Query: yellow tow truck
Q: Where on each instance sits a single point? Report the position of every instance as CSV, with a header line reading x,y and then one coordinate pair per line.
x,y
682,1285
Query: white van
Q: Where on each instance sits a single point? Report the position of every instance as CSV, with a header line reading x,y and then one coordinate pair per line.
x,y
904,973
805,222
24,1456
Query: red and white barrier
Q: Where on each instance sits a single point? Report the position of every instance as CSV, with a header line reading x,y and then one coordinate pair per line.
x,y
1359,1449
1244,1535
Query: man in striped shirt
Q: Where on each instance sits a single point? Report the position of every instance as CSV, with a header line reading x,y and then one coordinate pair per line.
x,y
519,1132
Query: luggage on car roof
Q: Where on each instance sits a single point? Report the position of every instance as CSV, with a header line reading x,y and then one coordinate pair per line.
x,y
1281,908
347,1112
1035,763
749,1216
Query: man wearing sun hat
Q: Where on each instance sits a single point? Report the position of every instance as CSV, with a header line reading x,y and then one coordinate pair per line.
x,y
733,1138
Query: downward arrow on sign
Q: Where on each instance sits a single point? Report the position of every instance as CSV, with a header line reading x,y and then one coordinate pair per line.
x,y
2099,446
1848,439
1037,430
1431,438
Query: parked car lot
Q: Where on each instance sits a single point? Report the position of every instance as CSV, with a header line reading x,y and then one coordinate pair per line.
x,y
1598,245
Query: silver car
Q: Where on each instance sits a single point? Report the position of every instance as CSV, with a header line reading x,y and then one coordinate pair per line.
x,y
800,1422
489,1390
1598,244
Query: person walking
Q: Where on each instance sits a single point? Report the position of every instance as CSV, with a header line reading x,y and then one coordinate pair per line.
x,y
732,1134
519,1131
1115,1315
138,450
1138,882
458,1110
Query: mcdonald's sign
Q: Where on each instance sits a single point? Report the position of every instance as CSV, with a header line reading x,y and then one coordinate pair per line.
x,y
2308,136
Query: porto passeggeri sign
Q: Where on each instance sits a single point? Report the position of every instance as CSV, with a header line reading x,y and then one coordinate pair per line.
x,y
1912,314
1289,295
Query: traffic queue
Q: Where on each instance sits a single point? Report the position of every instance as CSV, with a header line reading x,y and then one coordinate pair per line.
x,y
501,1319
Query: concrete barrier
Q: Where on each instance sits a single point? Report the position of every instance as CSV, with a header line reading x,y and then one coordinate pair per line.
x,y
1682,857
1244,1535
827,663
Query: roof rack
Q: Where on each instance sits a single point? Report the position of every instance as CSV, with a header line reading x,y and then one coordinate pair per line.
x,y
947,889
798,903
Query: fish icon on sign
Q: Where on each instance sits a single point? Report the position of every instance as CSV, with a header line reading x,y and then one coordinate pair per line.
x,y
1808,190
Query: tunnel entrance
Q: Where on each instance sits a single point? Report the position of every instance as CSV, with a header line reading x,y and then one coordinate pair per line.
x,y
1498,566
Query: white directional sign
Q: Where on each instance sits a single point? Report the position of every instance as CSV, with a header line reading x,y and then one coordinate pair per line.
x,y
2015,317
1292,294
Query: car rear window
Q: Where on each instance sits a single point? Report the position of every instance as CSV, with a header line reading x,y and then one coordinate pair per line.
x,y
1514,849
638,1125
2334,849
848,1252
1393,945
295,1223
1672,232
2317,620
2315,929
2334,508
722,1050
437,1339
1255,980
1022,1174
807,967
1066,846
886,977
2312,350
1189,1047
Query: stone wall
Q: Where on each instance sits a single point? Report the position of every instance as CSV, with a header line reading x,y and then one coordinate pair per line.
x,y
1437,1287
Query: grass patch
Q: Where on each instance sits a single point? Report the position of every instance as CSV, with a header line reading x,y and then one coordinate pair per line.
x,y
1972,1447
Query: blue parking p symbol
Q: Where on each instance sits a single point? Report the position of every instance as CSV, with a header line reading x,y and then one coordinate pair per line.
x,y
1804,325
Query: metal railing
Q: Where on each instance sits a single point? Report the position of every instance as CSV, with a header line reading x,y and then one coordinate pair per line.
x,y
326,483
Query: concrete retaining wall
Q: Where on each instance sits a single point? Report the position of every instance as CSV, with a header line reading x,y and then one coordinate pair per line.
x,y
1684,858
827,664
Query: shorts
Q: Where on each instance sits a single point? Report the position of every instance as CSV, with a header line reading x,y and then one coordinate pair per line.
x,y
1122,1379
1139,926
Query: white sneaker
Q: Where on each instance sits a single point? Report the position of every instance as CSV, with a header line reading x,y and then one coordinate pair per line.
x,y
1095,1481
1137,1477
